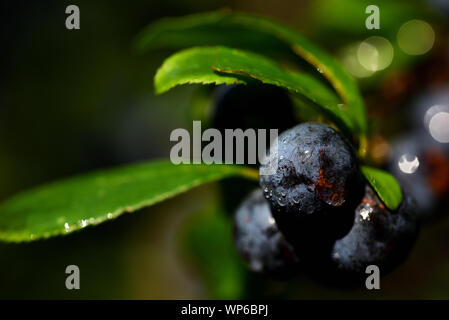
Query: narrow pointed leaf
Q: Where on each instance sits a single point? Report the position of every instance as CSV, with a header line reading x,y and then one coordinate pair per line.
x,y
221,65
260,35
69,205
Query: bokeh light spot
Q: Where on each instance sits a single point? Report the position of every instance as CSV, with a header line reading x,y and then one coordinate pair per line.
x,y
408,163
439,127
416,37
375,53
351,63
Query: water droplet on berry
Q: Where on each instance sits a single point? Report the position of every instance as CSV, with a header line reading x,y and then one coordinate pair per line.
x,y
281,202
296,197
365,212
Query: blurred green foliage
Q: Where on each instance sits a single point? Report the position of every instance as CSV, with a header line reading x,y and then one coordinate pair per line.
x,y
208,237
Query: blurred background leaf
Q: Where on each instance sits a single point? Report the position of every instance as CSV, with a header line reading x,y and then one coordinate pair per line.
x,y
207,239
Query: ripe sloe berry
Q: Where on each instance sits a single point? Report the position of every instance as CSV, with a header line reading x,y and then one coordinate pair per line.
x,y
316,187
251,106
378,237
259,241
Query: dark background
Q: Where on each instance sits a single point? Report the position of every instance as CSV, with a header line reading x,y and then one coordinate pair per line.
x,y
74,101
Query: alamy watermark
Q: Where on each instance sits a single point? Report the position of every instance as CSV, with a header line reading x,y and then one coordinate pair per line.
x,y
72,281
72,22
373,20
227,149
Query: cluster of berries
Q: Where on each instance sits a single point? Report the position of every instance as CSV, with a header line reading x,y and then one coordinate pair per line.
x,y
316,214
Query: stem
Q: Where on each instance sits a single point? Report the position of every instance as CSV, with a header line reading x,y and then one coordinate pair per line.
x,y
363,146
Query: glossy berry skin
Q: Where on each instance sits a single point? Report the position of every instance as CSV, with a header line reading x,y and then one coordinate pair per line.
x,y
317,185
259,241
251,106
378,237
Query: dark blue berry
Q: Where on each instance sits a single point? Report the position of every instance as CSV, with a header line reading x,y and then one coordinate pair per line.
x,y
259,240
378,237
251,106
317,185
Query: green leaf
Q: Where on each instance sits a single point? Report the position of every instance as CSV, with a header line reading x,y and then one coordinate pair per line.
x,y
63,207
188,67
201,105
385,185
207,29
258,34
207,237
221,65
